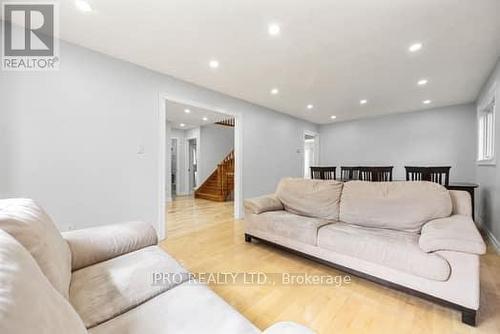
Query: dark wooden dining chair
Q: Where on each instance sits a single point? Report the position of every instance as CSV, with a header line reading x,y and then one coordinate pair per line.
x,y
349,173
324,173
376,174
438,174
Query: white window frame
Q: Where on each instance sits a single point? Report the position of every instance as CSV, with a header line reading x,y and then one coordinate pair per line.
x,y
486,131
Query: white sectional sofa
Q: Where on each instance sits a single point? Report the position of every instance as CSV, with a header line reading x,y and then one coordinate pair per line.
x,y
417,237
100,281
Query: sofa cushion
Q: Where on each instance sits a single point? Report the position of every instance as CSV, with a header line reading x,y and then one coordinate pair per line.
x,y
29,304
404,206
289,225
188,309
107,289
32,227
461,202
456,233
263,203
311,198
394,249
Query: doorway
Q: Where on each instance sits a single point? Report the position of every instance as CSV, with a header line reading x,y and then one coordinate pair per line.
x,y
184,120
310,152
192,165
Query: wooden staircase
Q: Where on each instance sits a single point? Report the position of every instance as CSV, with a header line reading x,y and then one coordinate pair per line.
x,y
227,122
219,186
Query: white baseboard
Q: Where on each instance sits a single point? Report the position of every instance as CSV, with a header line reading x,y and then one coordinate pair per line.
x,y
494,241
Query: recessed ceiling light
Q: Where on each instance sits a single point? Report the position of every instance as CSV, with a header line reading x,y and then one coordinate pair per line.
x,y
422,82
364,101
187,111
274,29
213,64
205,118
83,5
426,101
182,125
310,106
274,91
333,117
415,47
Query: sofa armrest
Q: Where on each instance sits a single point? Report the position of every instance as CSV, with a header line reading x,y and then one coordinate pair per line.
x,y
287,327
462,203
97,244
264,203
454,233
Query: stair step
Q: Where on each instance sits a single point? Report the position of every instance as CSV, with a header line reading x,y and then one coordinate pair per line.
x,y
211,189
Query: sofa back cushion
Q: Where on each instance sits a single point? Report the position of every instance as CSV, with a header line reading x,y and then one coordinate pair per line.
x,y
29,304
311,198
403,206
32,227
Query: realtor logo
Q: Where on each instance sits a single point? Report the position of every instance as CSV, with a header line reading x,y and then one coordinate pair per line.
x,y
28,37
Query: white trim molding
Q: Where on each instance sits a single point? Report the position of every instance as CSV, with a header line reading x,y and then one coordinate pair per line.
x,y
492,239
486,128
162,138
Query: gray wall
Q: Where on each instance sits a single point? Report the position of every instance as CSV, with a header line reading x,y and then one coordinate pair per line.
x,y
70,139
488,176
442,136
216,142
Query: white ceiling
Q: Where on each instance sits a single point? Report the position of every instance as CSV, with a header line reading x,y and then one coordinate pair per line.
x,y
177,115
330,53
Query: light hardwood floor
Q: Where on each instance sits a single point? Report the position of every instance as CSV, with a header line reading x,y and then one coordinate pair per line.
x,y
204,237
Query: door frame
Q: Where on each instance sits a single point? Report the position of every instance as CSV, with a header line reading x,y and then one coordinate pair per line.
x,y
190,190
316,159
177,167
238,153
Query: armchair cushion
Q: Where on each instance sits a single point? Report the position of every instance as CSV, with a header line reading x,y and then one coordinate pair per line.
x,y
29,304
108,289
455,233
32,227
264,203
189,308
96,244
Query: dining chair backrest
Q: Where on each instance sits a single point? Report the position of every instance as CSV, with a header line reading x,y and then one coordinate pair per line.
x,y
349,173
376,174
438,174
324,173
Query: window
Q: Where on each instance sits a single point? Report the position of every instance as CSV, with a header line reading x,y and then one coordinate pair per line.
x,y
486,132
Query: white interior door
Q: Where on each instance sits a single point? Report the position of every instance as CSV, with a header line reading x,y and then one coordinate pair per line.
x,y
193,164
310,154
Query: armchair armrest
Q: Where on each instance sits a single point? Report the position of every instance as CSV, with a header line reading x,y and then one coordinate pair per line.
x,y
97,244
287,327
264,203
454,233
